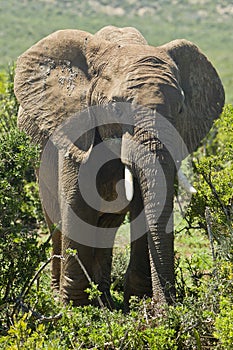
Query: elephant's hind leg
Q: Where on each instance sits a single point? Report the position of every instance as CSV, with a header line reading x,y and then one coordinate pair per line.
x,y
56,261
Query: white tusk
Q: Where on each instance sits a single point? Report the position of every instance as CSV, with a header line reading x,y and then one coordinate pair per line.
x,y
185,183
128,184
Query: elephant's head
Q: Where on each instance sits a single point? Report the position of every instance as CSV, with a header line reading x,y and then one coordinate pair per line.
x,y
71,70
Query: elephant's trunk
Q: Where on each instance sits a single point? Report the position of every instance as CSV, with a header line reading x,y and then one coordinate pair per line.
x,y
157,188
154,168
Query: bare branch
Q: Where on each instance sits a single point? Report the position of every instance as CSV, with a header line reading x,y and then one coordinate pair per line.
x,y
98,299
38,316
88,277
23,294
208,224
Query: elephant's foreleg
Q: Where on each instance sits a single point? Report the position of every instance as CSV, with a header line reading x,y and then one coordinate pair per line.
x,y
102,263
74,281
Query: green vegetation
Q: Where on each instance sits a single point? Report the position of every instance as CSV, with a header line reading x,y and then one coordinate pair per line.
x,y
20,209
32,318
208,23
30,315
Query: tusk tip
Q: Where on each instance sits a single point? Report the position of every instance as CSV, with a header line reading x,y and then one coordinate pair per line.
x,y
192,190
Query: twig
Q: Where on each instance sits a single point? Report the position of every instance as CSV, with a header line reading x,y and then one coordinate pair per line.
x,y
215,193
185,218
122,346
98,299
213,190
88,278
38,316
180,206
56,228
2,306
208,224
9,283
27,288
23,294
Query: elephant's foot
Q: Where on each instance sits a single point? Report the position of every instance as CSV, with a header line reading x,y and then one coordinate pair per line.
x,y
79,298
75,302
73,284
105,300
71,291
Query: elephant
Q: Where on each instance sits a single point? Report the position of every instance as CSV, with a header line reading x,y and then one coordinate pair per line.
x,y
145,108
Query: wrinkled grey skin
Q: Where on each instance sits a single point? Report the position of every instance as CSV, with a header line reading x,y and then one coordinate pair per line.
x,y
175,80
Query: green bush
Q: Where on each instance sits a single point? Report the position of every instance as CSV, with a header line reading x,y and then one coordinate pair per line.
x,y
224,322
213,165
120,263
92,328
2,83
20,211
206,287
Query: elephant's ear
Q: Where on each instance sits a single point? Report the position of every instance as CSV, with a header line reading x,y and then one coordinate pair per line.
x,y
203,91
51,84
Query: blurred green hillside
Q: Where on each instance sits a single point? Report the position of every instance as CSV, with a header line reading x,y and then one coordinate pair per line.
x,y
208,23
